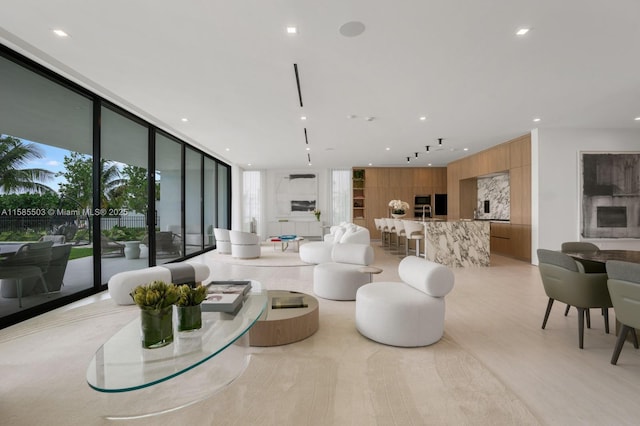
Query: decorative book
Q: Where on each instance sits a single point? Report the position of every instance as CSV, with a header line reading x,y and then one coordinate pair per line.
x,y
225,296
288,302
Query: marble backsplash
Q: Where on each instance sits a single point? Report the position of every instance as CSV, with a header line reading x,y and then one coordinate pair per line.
x,y
496,191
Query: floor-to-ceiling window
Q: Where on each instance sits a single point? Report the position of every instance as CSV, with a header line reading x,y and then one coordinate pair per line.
x,y
45,137
124,193
251,200
210,200
169,204
193,201
75,173
340,196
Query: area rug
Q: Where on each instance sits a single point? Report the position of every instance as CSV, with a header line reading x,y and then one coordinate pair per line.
x,y
269,257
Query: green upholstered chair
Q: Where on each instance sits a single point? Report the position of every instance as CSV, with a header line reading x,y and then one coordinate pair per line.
x,y
588,266
564,281
624,288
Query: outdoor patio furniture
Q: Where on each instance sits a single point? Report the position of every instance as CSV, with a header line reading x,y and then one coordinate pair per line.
x,y
167,243
110,247
30,261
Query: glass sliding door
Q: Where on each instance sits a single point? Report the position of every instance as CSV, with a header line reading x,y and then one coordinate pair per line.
x,y
224,196
169,241
45,190
124,239
209,201
193,236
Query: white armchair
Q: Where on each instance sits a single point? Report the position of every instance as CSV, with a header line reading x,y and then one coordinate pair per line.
x,y
408,313
244,245
341,278
223,241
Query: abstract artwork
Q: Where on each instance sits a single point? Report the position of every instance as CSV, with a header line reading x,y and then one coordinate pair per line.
x,y
610,194
296,193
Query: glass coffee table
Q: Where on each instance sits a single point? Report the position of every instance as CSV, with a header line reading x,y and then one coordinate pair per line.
x,y
164,379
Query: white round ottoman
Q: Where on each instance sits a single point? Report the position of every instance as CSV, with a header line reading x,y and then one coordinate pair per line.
x,y
408,313
338,281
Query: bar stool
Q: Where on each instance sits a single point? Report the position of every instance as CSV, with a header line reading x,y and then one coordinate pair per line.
x,y
400,232
413,231
391,228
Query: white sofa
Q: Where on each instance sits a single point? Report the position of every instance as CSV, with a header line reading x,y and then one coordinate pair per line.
x,y
341,278
408,313
345,233
122,284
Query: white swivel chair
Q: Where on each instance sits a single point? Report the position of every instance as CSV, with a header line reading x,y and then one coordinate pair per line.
x,y
413,231
341,278
244,245
223,242
408,313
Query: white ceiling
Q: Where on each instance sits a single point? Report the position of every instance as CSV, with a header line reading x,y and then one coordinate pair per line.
x,y
228,67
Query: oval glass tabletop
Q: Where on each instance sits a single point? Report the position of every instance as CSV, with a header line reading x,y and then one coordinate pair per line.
x,y
122,365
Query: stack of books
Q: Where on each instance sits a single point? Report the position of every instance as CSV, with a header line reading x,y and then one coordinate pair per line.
x,y
225,296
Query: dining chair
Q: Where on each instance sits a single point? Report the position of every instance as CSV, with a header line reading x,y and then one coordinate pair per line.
x,y
624,288
564,281
30,261
588,266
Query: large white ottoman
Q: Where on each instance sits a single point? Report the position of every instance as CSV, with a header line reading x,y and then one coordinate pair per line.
x,y
409,313
341,278
122,284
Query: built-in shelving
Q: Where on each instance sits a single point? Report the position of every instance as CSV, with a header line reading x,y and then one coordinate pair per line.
x,y
358,198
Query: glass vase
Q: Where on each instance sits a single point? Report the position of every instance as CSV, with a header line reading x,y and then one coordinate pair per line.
x,y
189,318
157,327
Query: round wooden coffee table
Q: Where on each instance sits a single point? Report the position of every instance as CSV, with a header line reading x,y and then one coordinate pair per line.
x,y
289,317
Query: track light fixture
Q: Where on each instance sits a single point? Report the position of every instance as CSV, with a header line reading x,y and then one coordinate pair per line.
x,y
416,155
427,146
440,141
408,159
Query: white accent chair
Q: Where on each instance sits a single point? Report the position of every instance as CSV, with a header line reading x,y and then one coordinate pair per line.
x,y
341,278
408,313
122,284
223,242
244,245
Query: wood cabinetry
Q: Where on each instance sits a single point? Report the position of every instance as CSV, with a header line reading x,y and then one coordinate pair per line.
x,y
383,184
513,157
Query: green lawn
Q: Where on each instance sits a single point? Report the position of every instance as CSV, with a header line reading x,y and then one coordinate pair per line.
x,y
78,252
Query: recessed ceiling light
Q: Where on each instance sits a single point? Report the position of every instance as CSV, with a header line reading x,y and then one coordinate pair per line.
x,y
308,149
292,30
184,120
536,119
522,31
429,164
637,118
423,118
466,149
309,163
60,33
249,164
388,149
227,149
303,117
371,164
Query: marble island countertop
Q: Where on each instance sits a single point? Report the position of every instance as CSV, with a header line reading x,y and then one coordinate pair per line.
x,y
457,243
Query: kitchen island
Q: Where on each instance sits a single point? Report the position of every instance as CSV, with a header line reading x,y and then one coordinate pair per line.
x,y
457,243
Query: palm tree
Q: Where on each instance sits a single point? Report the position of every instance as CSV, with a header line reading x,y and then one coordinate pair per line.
x,y
14,155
